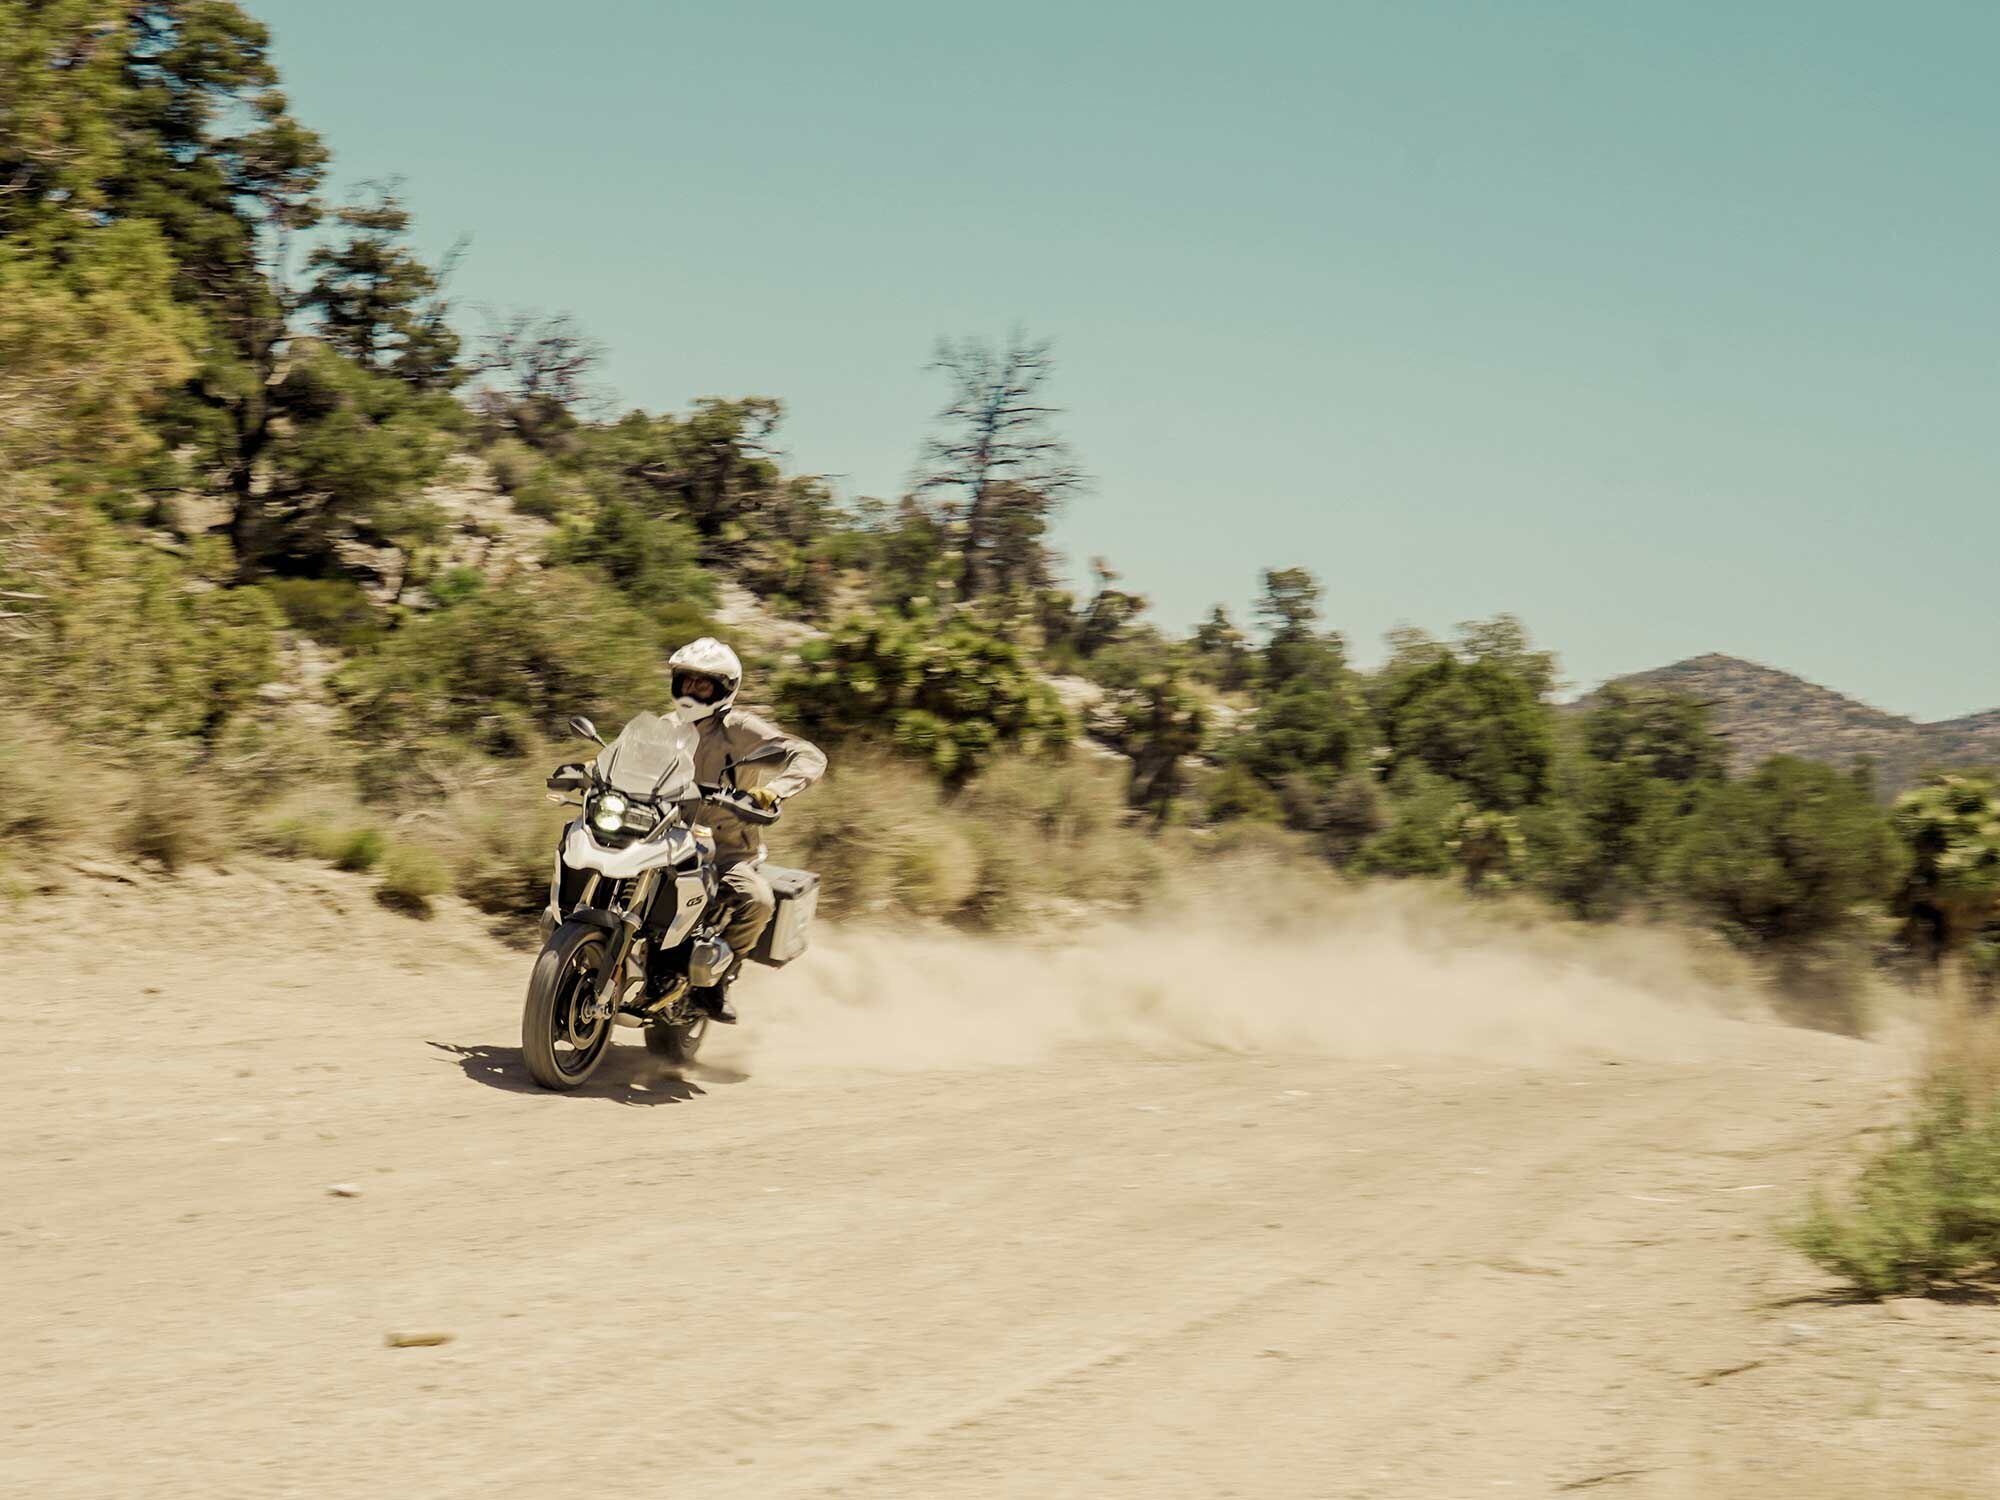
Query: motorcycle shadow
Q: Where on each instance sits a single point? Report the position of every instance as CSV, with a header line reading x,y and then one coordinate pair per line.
x,y
630,1075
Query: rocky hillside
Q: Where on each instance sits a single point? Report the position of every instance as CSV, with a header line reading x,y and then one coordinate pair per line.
x,y
1762,711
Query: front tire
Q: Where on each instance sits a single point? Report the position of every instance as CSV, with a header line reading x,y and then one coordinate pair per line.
x,y
559,1047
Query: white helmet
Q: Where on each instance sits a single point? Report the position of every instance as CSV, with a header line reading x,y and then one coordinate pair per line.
x,y
706,675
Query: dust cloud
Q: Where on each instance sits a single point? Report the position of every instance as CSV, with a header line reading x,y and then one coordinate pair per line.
x,y
1374,974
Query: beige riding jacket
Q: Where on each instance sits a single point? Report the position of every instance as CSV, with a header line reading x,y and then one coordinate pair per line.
x,y
731,735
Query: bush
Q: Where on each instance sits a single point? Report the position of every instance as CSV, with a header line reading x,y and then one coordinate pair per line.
x,y
455,586
410,878
513,462
1473,723
321,830
653,560
1951,900
516,659
534,484
135,637
356,849
1784,857
1925,1213
1234,795
333,611
939,688
1422,816
1488,847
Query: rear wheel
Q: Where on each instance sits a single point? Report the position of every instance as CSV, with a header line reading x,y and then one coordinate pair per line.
x,y
560,1046
676,1042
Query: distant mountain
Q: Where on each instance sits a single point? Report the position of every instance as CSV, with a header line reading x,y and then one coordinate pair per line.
x,y
1762,711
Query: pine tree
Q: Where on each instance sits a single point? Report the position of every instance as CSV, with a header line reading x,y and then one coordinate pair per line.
x,y
378,303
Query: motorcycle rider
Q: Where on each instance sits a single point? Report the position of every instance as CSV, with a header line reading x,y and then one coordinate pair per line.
x,y
706,676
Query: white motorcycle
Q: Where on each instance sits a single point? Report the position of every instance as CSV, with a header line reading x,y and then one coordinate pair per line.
x,y
633,922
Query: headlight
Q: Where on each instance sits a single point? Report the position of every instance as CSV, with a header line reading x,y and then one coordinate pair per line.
x,y
610,815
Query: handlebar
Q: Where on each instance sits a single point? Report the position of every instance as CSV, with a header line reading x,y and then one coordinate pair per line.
x,y
574,777
739,804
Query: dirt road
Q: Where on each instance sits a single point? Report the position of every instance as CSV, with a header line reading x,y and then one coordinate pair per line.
x,y
951,1236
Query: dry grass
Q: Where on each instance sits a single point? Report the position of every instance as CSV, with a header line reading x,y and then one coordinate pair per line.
x,y
178,821
1962,1040
1026,841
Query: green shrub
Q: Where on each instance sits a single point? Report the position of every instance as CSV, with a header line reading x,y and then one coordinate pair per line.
x,y
455,586
333,611
939,688
513,463
135,637
514,660
1474,723
531,481
355,849
1784,857
1233,794
1951,899
1423,811
1487,846
652,559
410,878
1925,1213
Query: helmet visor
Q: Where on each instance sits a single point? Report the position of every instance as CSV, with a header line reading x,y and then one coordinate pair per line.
x,y
700,686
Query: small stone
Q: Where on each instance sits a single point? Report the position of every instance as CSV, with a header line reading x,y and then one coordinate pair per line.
x,y
343,1190
417,1340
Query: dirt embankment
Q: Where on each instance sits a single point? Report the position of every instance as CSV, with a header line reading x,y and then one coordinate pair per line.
x,y
1367,1211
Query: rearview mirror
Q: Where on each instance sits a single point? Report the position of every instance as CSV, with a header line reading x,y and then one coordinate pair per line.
x,y
584,727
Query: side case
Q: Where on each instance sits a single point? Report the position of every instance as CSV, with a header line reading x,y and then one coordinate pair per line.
x,y
798,898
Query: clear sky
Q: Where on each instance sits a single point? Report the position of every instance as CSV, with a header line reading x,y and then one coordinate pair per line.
x,y
1671,327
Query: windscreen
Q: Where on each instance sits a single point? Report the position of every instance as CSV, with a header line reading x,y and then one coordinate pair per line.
x,y
652,757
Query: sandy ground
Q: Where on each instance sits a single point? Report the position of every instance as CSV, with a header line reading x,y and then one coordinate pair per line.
x,y
1371,1219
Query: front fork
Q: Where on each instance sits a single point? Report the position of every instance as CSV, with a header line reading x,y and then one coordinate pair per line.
x,y
618,947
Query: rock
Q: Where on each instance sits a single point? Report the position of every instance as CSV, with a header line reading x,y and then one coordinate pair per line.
x,y
417,1340
343,1190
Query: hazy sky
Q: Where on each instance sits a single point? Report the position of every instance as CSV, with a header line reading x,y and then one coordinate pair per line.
x,y
1671,327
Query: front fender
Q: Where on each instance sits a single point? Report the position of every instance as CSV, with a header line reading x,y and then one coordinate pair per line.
x,y
581,852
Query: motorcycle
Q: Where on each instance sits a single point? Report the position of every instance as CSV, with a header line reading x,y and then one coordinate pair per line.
x,y
633,924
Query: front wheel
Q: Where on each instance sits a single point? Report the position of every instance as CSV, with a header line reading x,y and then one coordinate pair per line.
x,y
561,1048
